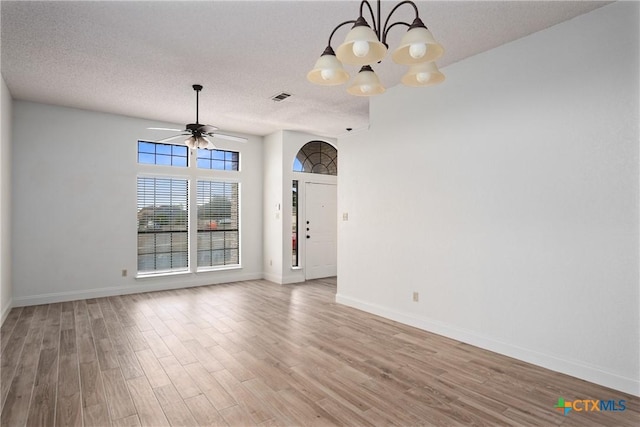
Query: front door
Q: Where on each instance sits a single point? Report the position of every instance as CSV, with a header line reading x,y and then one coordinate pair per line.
x,y
320,230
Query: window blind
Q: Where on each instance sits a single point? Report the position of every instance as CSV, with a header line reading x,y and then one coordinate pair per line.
x,y
162,224
218,223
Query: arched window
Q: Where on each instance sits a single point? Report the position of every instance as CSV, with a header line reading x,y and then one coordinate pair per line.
x,y
317,157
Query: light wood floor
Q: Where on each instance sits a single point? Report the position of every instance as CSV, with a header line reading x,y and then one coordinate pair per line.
x,y
257,353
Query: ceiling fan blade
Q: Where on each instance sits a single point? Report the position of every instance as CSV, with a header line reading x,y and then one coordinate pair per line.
x,y
174,130
227,137
207,128
171,138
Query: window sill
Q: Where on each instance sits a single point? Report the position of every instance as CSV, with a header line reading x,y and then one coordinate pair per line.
x,y
186,272
223,268
162,274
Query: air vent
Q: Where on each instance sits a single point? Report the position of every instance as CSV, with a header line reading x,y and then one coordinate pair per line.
x,y
280,96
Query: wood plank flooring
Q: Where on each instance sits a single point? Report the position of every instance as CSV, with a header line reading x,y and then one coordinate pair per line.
x,y
259,354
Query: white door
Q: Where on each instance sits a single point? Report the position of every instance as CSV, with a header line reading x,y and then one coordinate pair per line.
x,y
320,230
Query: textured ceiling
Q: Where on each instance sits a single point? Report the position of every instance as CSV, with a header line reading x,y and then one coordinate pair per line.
x,y
140,58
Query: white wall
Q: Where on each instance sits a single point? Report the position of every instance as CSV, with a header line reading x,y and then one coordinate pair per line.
x,y
6,295
74,206
272,207
508,198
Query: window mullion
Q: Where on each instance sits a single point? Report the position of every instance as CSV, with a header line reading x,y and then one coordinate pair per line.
x,y
193,212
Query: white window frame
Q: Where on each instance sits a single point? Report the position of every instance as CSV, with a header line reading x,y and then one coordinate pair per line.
x,y
195,229
193,174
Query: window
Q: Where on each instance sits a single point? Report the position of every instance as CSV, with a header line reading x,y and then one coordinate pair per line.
x,y
218,160
294,224
162,224
317,157
153,153
190,219
218,242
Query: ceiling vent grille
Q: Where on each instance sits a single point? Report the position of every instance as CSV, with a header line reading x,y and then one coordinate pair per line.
x,y
280,97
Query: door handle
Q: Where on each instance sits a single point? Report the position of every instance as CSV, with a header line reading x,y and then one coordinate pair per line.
x,y
308,237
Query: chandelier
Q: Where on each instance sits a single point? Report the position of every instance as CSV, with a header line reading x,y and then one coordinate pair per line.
x,y
364,46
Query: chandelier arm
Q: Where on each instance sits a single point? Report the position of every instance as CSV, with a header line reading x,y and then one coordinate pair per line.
x,y
336,29
386,29
373,17
390,27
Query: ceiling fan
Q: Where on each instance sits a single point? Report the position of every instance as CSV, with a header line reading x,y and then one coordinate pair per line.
x,y
197,133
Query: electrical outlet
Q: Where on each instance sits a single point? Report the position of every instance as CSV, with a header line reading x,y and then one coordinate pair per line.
x,y
124,273
345,216
416,297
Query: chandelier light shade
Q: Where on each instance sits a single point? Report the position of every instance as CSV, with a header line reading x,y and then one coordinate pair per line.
x,y
417,46
366,83
361,46
423,74
364,46
328,70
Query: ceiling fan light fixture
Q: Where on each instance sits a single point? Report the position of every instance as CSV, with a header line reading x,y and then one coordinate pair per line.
x,y
191,142
203,142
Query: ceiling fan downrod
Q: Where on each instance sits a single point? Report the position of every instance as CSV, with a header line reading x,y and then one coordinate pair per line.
x,y
197,88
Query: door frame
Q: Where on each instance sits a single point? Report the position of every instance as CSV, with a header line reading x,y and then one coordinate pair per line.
x,y
304,178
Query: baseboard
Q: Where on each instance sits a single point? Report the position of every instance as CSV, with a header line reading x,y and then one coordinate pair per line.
x,y
5,311
123,290
282,280
569,367
288,280
275,278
